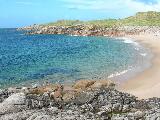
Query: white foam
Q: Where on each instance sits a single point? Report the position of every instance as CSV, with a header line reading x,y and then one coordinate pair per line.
x,y
137,49
128,41
119,73
106,35
143,54
75,35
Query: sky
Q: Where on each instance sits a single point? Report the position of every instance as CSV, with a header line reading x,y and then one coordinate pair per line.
x,y
18,13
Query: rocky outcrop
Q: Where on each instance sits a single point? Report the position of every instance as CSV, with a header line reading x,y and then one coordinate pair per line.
x,y
98,103
14,103
91,30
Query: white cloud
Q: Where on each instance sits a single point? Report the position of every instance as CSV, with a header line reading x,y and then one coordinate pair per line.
x,y
131,5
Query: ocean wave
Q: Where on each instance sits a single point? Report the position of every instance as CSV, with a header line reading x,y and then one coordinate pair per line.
x,y
143,54
119,73
136,48
128,41
74,35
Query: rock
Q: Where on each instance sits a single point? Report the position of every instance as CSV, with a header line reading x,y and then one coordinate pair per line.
x,y
1,92
102,113
92,30
18,116
54,109
34,101
87,107
14,103
43,117
83,84
107,108
139,114
117,107
43,89
101,84
37,116
3,95
58,93
126,108
35,86
68,96
16,99
14,90
25,89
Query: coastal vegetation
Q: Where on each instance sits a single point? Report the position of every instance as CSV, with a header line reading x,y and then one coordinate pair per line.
x,y
150,18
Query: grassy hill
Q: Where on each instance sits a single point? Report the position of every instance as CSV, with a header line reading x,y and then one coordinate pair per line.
x,y
150,18
65,23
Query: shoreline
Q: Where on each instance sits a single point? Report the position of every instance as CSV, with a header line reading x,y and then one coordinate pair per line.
x,y
132,71
147,83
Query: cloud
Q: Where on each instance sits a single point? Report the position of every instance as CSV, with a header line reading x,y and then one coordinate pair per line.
x,y
109,5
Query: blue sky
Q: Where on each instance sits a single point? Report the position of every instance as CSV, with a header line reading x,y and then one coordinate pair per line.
x,y
17,13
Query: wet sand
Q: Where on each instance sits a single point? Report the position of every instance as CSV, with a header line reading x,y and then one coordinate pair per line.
x,y
147,83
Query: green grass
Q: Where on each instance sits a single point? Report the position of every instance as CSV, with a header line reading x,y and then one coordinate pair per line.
x,y
65,23
150,18
103,23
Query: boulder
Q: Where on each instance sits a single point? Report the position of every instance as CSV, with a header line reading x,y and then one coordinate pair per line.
x,y
83,84
57,94
14,103
43,89
102,84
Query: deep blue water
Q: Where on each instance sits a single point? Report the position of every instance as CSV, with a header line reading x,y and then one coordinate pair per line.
x,y
61,58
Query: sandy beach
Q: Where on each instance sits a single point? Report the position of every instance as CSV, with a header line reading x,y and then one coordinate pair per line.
x,y
146,84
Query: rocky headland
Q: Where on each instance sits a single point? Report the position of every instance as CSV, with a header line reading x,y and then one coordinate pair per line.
x,y
84,100
141,22
92,30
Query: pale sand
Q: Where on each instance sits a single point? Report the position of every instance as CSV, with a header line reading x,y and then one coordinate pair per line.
x,y
146,84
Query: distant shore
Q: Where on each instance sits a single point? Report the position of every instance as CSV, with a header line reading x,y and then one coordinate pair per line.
x,y
146,84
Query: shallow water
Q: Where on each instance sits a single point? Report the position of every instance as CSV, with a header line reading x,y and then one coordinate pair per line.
x,y
62,58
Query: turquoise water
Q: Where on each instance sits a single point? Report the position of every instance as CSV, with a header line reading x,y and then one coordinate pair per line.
x,y
62,58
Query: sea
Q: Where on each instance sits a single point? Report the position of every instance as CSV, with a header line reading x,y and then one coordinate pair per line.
x,y
36,59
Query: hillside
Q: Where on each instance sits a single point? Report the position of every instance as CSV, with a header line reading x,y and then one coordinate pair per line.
x,y
150,18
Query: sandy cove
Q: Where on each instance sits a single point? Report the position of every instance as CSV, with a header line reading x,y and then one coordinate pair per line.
x,y
146,84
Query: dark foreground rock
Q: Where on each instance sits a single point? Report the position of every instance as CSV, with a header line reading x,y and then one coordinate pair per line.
x,y
100,103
